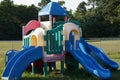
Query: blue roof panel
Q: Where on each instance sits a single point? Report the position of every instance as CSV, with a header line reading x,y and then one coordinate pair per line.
x,y
52,8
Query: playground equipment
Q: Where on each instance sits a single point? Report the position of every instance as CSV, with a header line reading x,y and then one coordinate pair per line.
x,y
51,41
9,54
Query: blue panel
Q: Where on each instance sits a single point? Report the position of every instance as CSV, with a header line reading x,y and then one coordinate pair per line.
x,y
12,61
71,38
52,8
101,56
9,54
89,63
20,62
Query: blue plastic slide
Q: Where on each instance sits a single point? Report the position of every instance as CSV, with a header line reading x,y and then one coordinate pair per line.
x,y
10,63
89,63
20,61
99,55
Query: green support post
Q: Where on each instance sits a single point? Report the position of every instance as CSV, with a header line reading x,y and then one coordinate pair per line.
x,y
28,41
25,42
71,63
62,67
33,68
45,69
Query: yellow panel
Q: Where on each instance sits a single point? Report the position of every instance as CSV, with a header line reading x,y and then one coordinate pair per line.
x,y
33,41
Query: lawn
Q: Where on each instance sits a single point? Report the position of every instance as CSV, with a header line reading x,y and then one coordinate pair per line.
x,y
111,48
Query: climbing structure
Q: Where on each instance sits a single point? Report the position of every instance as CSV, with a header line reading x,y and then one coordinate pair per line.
x,y
54,40
51,35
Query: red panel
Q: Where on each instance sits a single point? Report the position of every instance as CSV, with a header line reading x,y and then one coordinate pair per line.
x,y
31,25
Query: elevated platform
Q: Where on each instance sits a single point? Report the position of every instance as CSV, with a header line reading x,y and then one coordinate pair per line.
x,y
54,57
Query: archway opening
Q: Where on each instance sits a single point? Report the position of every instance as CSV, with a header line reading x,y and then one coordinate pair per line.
x,y
73,36
33,41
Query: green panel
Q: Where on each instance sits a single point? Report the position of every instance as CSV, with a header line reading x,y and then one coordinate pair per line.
x,y
54,40
46,47
56,36
75,22
28,41
50,42
58,23
45,38
59,38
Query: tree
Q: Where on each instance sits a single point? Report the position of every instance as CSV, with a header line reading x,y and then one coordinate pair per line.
x,y
8,25
80,12
110,11
82,7
100,21
70,14
61,2
13,17
6,3
43,3
96,26
93,3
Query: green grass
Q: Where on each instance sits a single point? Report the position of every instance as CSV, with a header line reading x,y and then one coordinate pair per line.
x,y
111,48
108,46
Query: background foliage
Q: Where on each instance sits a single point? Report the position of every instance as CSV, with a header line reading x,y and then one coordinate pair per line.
x,y
102,19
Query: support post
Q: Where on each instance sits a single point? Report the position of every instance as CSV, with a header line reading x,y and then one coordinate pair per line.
x,y
50,19
23,43
39,18
45,69
33,68
62,67
65,19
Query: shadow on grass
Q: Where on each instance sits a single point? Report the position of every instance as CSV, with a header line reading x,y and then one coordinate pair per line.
x,y
115,75
79,74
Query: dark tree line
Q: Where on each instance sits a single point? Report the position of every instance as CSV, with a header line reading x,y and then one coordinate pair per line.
x,y
13,17
101,20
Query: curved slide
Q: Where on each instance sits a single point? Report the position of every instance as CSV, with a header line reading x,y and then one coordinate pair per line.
x,y
89,63
98,54
20,61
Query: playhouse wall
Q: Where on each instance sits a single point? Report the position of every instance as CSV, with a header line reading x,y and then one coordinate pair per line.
x,y
33,40
46,25
71,27
26,40
37,38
